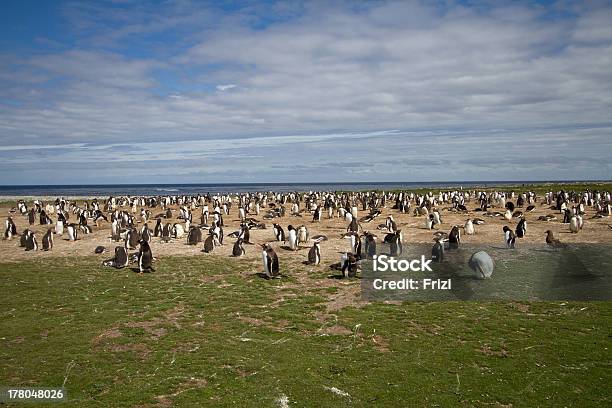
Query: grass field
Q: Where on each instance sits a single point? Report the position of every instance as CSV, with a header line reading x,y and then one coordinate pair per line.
x,y
207,331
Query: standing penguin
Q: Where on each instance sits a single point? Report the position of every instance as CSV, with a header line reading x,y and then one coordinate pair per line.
x,y
521,228
31,243
454,238
314,255
158,228
509,237
348,265
292,238
469,228
395,243
353,226
10,229
429,222
279,233
73,232
573,225
32,217
145,257
390,224
121,257
302,235
209,243
245,234
370,245
238,249
270,262
166,232
437,252
24,238
195,236
48,240
316,216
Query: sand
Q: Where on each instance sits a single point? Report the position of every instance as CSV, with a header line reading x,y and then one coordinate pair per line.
x,y
413,229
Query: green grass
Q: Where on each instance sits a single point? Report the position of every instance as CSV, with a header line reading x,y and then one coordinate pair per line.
x,y
206,331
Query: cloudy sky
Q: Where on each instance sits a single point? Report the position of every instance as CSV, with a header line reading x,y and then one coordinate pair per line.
x,y
247,91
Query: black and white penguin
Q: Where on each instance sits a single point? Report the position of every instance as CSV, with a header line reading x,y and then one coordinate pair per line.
x,y
429,222
209,243
145,257
316,216
166,232
469,228
32,217
238,249
437,252
348,265
292,238
73,232
314,254
195,236
302,234
454,238
279,233
10,228
47,241
245,234
145,233
567,214
31,243
353,226
573,225
24,238
391,224
509,237
395,243
370,245
158,228
521,228
121,259
270,262
132,239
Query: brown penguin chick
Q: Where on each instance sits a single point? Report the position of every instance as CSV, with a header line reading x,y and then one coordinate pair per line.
x,y
552,241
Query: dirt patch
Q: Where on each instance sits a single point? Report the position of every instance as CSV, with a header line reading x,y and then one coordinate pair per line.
x,y
380,343
111,333
521,307
152,326
336,330
502,352
141,350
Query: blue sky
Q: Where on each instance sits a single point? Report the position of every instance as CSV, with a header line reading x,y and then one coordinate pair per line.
x,y
246,91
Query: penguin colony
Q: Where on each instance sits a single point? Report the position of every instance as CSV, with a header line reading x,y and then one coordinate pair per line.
x,y
139,224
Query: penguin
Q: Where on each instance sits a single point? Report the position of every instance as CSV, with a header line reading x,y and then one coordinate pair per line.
x,y
454,238
509,237
241,214
194,236
166,233
437,252
436,217
245,234
48,240
59,226
429,222
314,254
31,243
370,245
99,249
24,238
355,243
11,228
521,228
209,243
292,238
131,239
573,225
121,257
73,232
302,235
348,265
391,225
158,228
145,233
469,228
31,217
353,226
238,249
145,257
566,216
395,243
279,233
508,215
316,216
178,231
270,262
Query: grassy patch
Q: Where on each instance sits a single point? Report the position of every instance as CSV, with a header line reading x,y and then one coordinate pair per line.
x,y
207,331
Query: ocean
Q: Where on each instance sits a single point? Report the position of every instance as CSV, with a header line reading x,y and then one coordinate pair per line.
x,y
103,190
